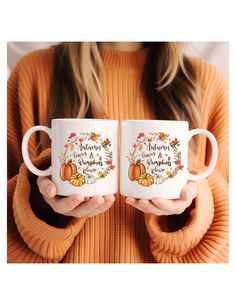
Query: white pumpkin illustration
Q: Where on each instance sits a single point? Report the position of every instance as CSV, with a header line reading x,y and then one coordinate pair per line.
x,y
90,179
158,179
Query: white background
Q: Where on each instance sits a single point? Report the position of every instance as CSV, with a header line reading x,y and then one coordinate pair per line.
x,y
116,284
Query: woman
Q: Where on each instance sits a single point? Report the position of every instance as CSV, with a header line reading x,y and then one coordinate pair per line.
x,y
116,80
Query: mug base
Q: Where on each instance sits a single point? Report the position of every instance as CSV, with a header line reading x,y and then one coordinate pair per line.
x,y
86,194
149,197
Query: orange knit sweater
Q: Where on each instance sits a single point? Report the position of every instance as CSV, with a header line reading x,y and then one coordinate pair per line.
x,y
123,234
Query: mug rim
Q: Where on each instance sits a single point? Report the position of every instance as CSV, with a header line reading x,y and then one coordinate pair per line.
x,y
84,119
158,121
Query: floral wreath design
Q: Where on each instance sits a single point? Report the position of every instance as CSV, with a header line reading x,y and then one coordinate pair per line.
x,y
137,170
72,173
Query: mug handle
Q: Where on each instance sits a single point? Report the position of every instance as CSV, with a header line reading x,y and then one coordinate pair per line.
x,y
25,153
214,156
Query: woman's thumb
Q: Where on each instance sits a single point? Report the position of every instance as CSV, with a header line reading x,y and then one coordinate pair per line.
x,y
46,187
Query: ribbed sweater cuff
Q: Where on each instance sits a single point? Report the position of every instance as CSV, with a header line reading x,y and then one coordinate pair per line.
x,y
47,241
204,237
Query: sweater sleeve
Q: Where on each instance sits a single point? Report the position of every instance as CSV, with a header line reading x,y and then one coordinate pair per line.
x,y
28,99
33,232
218,124
31,239
200,234
21,114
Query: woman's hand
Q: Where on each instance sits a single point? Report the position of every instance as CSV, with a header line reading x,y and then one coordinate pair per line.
x,y
160,206
74,205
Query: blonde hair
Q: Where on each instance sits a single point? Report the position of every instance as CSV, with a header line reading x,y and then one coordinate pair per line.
x,y
169,82
77,86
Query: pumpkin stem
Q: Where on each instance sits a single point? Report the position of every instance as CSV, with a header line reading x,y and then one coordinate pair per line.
x,y
138,161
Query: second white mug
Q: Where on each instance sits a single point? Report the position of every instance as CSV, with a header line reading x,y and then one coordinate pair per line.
x,y
154,158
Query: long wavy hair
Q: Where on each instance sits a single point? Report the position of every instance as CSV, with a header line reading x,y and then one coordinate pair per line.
x,y
169,83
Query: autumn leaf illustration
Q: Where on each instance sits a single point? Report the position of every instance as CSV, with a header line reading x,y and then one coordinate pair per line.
x,y
101,174
163,136
140,147
170,174
94,136
71,147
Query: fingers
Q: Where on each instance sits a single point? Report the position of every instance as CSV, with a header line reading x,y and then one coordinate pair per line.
x,y
86,207
178,206
145,206
160,206
108,202
46,187
59,204
63,205
170,206
74,205
189,191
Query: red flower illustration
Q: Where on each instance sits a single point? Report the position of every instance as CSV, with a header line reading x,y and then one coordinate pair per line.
x,y
81,139
73,134
112,166
107,141
109,162
140,135
149,140
175,141
180,166
177,162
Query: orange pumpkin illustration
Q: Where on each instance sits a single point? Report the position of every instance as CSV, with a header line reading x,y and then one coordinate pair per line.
x,y
146,179
67,170
135,170
77,180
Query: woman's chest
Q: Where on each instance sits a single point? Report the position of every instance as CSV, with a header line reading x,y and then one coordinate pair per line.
x,y
124,96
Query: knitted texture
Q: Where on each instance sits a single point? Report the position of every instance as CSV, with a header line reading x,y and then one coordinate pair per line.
x,y
123,234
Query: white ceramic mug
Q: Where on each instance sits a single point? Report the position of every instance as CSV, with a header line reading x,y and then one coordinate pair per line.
x,y
84,156
154,158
